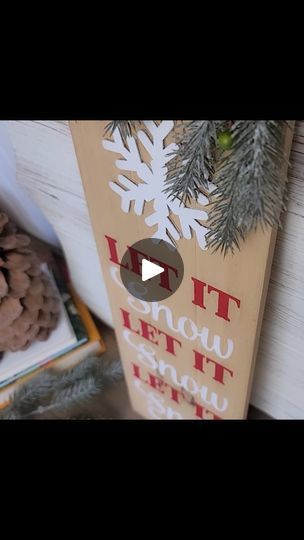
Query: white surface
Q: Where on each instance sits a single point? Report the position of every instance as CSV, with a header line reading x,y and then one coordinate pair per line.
x,y
279,377
173,220
47,168
150,270
13,197
62,337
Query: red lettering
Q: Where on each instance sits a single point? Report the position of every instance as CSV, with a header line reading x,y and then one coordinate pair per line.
x,y
223,302
113,251
175,394
160,385
170,342
136,371
198,290
219,369
136,262
164,276
148,331
156,383
201,412
223,298
126,320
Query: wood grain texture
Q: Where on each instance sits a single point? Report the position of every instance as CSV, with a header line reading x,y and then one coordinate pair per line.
x,y
47,167
244,276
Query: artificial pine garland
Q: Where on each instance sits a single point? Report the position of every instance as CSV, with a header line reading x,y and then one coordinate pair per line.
x,y
251,184
237,164
126,127
193,164
56,393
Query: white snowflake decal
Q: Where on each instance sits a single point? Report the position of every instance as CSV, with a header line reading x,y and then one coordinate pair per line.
x,y
153,183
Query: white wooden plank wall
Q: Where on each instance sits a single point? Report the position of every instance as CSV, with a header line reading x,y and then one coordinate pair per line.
x,y
279,379
47,167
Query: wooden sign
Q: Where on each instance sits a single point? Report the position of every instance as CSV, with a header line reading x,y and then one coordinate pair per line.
x,y
192,355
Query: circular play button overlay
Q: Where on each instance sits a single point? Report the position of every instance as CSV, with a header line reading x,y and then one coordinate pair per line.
x,y
151,269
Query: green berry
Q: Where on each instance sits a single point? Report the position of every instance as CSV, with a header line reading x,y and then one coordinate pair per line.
x,y
224,140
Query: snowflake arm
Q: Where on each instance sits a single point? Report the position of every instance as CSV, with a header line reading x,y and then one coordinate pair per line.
x,y
189,219
132,160
152,185
166,229
133,192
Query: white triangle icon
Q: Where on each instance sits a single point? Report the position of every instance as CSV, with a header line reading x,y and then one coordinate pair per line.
x,y
149,270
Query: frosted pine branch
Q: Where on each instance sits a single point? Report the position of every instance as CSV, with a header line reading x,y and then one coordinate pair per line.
x,y
125,127
250,191
192,166
58,392
250,184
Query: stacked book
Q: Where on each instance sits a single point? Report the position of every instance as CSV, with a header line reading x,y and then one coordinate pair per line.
x,y
75,337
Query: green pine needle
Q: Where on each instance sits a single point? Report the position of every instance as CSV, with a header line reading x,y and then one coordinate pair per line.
x,y
127,128
192,166
58,392
251,184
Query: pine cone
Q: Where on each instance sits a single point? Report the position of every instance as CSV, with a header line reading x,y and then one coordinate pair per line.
x,y
29,304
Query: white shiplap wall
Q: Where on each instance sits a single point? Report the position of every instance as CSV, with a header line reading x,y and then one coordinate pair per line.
x,y
47,167
279,378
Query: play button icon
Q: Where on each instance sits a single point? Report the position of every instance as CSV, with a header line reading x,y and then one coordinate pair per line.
x,y
151,269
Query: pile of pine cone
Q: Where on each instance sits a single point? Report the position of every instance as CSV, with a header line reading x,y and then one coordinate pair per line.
x,y
29,304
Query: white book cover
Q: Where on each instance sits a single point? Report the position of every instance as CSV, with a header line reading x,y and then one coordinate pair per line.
x,y
62,338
